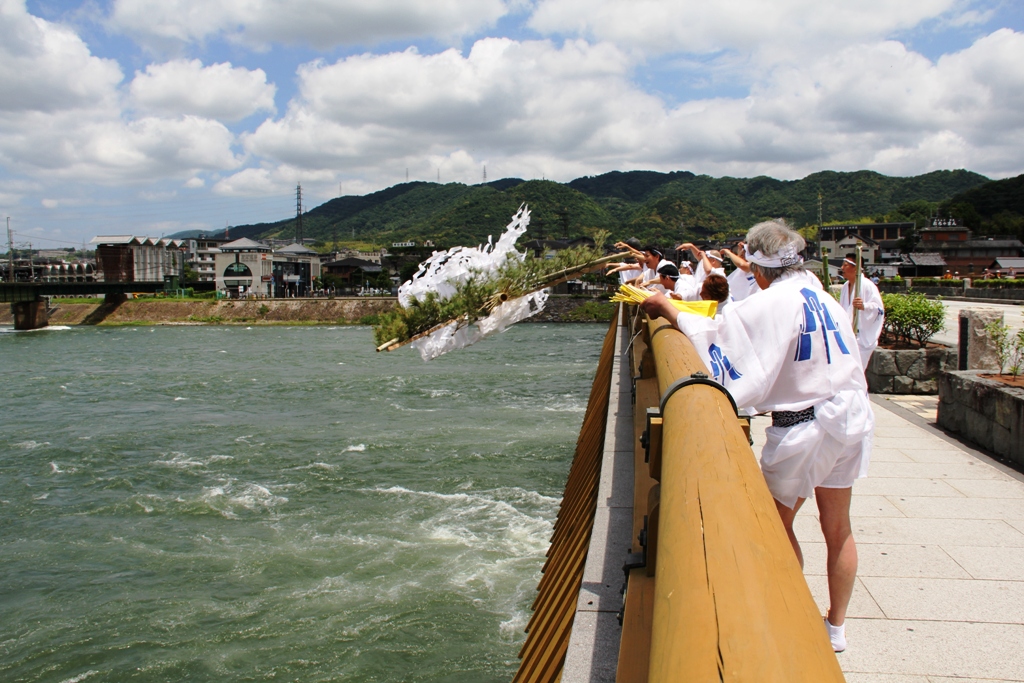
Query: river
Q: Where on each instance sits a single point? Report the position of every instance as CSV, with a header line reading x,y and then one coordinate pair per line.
x,y
271,503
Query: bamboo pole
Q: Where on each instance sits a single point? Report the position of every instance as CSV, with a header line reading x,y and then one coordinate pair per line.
x,y
856,292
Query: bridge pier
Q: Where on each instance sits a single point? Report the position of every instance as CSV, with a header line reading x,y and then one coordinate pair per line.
x,y
30,315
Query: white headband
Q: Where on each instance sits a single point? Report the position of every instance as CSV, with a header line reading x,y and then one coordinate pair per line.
x,y
852,263
717,258
787,256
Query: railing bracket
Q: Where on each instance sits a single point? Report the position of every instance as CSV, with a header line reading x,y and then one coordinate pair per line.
x,y
696,378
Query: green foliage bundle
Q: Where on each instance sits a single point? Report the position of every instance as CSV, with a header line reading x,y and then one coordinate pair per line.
x,y
912,318
475,298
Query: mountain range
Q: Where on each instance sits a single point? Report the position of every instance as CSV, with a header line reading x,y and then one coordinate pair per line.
x,y
654,207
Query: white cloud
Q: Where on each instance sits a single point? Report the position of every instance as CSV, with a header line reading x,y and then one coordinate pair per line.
x,y
272,180
45,67
504,95
218,91
62,116
114,151
535,109
744,26
320,23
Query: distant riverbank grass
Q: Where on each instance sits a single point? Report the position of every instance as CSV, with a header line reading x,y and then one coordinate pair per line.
x,y
89,301
592,311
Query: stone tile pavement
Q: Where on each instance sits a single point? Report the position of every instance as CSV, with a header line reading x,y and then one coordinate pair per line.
x,y
940,532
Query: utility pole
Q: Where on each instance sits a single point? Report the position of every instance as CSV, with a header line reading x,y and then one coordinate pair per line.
x,y
485,173
298,213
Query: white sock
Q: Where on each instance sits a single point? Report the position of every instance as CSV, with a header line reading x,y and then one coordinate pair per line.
x,y
837,634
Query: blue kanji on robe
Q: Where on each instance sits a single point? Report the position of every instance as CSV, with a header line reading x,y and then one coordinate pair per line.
x,y
817,316
721,366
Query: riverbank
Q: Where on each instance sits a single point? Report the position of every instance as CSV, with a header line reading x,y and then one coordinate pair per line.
x,y
342,310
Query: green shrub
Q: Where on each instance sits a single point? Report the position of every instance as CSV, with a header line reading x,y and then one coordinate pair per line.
x,y
912,318
1008,348
936,282
371,319
1002,283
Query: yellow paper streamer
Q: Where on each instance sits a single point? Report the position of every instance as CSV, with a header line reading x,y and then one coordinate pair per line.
x,y
635,295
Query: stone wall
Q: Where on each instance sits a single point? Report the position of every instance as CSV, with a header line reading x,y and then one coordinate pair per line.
x,y
914,371
984,411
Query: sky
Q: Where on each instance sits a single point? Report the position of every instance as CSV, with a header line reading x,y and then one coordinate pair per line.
x,y
150,117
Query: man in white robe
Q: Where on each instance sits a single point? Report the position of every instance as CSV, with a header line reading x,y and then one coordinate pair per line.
x,y
872,311
791,350
741,283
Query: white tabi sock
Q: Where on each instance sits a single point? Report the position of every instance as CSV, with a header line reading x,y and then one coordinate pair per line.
x,y
837,634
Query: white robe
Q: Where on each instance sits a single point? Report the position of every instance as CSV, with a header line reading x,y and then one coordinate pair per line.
x,y
871,319
741,285
790,348
687,288
629,275
700,274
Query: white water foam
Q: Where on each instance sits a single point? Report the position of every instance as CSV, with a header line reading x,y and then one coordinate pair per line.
x,y
227,498
357,448
80,677
30,445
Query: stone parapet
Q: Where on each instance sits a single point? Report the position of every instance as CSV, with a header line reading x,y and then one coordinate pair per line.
x,y
912,371
984,411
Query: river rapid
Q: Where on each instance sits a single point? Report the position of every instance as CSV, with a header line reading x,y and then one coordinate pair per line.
x,y
270,503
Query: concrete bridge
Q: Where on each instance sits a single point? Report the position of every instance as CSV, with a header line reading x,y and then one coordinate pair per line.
x,y
30,300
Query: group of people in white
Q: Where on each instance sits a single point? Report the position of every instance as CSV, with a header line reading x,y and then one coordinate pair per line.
x,y
782,344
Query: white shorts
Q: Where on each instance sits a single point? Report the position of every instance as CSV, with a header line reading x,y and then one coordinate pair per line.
x,y
832,450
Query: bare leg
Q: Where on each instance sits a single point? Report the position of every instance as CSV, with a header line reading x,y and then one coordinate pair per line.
x,y
834,513
788,515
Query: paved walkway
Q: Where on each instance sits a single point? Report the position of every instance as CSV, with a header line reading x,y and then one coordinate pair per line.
x,y
940,532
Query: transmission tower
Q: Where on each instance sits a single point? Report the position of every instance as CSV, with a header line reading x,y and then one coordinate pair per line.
x,y
298,213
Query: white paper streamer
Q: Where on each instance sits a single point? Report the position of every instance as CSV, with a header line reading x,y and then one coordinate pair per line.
x,y
446,269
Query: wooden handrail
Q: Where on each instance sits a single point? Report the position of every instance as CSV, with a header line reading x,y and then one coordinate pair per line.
x,y
730,600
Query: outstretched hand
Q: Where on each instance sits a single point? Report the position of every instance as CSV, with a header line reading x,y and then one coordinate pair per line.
x,y
658,306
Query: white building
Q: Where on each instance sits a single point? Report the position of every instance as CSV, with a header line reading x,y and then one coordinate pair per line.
x,y
245,267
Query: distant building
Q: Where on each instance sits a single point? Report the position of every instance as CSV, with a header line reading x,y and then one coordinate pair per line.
x,y
352,271
245,267
128,258
961,251
880,241
201,253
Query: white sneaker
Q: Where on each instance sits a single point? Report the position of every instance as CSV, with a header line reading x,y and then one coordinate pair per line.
x,y
837,634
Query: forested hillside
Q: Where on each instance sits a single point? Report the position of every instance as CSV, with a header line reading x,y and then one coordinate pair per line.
x,y
995,208
652,206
